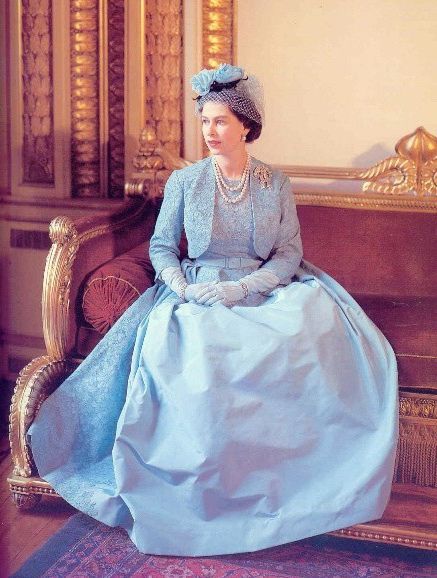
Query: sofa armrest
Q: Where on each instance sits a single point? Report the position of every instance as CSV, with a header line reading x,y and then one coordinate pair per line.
x,y
79,247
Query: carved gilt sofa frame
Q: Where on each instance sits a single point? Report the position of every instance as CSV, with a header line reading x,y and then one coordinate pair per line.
x,y
397,192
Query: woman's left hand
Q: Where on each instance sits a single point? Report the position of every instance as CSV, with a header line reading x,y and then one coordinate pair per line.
x,y
224,292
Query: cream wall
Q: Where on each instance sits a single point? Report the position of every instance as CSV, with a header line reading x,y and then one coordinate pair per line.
x,y
344,79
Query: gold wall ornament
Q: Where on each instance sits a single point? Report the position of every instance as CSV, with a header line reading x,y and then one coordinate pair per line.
x,y
37,78
85,126
153,164
116,36
163,71
218,34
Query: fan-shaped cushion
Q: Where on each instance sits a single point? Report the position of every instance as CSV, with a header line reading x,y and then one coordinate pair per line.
x,y
113,287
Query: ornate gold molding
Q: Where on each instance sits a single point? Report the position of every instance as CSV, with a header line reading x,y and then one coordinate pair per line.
x,y
163,71
361,201
217,32
37,87
85,127
416,405
115,98
412,538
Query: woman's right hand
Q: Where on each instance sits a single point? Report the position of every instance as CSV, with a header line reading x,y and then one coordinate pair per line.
x,y
195,290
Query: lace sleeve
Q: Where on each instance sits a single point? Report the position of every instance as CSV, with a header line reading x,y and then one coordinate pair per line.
x,y
287,251
164,244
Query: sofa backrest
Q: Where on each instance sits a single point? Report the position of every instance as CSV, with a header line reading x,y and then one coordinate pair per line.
x,y
373,252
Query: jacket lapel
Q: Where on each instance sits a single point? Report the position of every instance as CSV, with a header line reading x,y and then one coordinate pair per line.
x,y
265,209
199,209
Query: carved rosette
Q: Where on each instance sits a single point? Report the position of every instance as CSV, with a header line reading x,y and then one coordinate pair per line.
x,y
164,54
116,98
38,136
414,170
84,66
217,32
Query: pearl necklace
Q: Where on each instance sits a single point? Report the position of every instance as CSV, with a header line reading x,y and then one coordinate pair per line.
x,y
222,185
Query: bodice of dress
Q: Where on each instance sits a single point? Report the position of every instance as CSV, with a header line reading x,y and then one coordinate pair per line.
x,y
232,228
232,236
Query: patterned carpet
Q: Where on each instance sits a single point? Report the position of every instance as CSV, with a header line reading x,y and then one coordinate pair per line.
x,y
87,549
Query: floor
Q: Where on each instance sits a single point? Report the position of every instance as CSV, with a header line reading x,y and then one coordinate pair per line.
x,y
21,533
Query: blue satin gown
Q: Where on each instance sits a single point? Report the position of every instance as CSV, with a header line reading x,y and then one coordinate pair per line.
x,y
213,430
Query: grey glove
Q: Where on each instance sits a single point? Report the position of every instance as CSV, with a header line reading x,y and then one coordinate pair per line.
x,y
195,290
224,292
174,278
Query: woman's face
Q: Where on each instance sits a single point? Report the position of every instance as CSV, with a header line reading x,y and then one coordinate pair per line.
x,y
221,129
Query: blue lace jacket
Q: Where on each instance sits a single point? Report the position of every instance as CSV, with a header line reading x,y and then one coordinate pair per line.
x,y
189,203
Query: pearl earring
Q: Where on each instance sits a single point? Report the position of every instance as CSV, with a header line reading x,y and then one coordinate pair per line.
x,y
243,137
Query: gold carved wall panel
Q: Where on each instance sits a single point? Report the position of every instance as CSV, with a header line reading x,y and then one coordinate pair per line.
x,y
116,98
218,38
37,90
85,127
218,35
72,73
164,65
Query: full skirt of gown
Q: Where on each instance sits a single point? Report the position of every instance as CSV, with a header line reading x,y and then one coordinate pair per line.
x,y
212,430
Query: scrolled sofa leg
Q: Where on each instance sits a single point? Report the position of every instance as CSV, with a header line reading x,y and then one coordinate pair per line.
x,y
35,383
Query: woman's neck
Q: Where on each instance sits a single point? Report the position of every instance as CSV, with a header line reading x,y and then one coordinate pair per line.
x,y
232,167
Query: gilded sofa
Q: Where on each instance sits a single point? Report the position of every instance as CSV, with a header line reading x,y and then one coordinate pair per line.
x,y
379,243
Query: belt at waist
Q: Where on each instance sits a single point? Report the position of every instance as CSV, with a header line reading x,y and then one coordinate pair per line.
x,y
228,262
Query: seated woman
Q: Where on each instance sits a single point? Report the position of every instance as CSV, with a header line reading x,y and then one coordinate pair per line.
x,y
243,401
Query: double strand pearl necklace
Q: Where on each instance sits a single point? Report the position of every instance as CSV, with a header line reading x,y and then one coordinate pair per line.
x,y
223,186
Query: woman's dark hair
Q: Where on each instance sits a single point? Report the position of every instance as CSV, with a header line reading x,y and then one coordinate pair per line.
x,y
254,127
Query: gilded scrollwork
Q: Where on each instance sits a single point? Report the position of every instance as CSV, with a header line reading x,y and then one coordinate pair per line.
x,y
407,181
34,384
413,171
85,126
37,78
56,285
